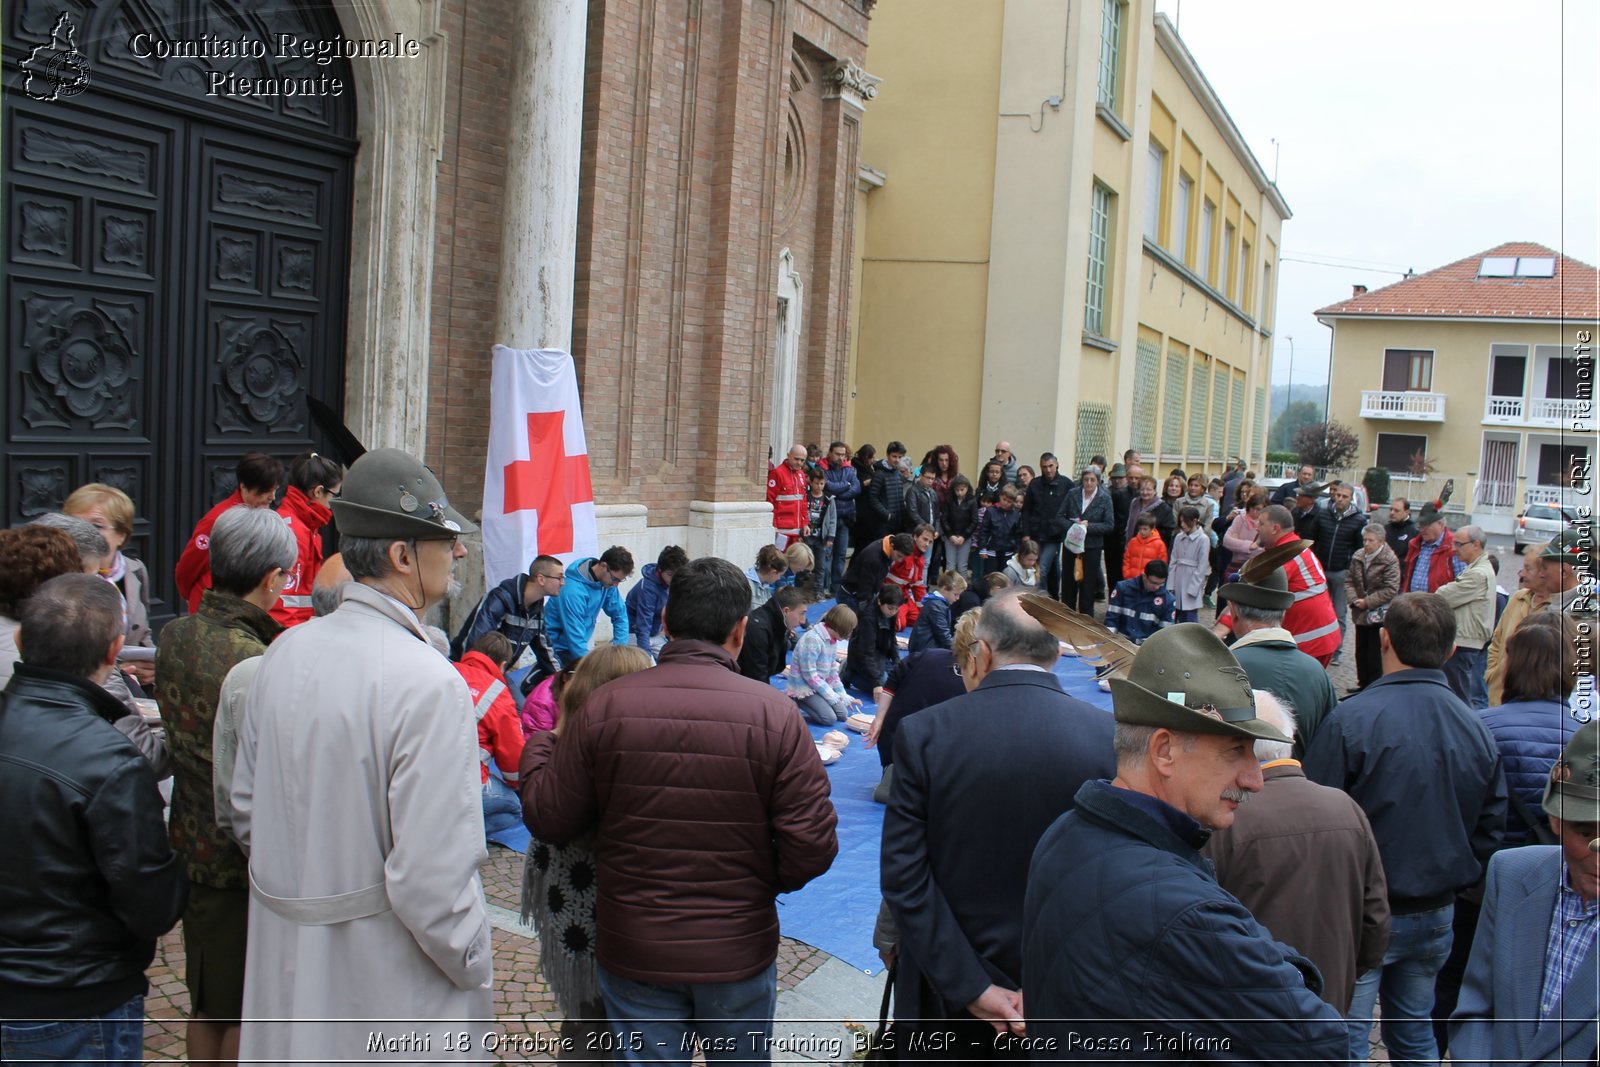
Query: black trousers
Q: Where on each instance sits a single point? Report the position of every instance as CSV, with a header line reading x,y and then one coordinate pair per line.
x,y
1369,654
1080,596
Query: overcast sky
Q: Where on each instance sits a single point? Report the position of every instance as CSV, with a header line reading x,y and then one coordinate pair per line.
x,y
1411,133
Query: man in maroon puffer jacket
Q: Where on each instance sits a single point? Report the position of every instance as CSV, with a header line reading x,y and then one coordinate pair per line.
x,y
708,800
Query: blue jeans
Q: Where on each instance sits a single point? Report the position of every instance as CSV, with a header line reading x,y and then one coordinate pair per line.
x,y
1340,595
1419,944
659,1023
1464,671
501,807
841,548
1049,568
117,1037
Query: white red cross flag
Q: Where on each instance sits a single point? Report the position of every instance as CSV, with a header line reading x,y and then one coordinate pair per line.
x,y
536,492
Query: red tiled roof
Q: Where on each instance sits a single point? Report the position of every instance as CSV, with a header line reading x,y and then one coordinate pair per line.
x,y
1456,291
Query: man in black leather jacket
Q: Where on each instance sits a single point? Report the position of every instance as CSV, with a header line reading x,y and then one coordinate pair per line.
x,y
90,880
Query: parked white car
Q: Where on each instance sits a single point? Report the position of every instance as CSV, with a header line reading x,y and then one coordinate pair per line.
x,y
1541,522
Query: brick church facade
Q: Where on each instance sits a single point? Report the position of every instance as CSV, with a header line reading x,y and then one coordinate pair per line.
x,y
709,272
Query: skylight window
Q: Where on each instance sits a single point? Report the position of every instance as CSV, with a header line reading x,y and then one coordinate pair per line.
x,y
1517,267
1536,267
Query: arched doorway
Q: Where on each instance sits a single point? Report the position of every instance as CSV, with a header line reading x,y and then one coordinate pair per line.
x,y
177,252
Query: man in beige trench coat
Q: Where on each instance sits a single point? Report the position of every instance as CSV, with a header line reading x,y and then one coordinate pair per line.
x,y
356,796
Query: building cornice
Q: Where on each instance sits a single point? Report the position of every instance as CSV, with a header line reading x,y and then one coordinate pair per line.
x,y
1178,52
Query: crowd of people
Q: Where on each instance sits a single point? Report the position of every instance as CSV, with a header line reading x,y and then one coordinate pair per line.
x,y
1239,862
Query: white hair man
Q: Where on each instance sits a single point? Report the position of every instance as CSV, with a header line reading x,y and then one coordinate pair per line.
x,y
1305,863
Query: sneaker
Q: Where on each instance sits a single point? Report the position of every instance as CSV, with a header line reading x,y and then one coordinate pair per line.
x,y
1209,603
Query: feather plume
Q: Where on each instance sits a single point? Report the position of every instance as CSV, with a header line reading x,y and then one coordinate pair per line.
x,y
1097,645
1264,563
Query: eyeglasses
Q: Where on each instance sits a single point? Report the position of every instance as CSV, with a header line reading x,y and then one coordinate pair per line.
x,y
559,576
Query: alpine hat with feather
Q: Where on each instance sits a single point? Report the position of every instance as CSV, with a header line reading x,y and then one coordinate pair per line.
x,y
1182,678
1262,582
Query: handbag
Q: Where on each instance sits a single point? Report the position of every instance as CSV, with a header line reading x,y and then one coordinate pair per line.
x,y
882,1046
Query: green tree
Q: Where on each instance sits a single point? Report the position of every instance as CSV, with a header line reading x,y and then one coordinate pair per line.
x,y
1301,413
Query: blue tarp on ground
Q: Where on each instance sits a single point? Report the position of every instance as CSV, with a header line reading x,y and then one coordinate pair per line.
x,y
836,912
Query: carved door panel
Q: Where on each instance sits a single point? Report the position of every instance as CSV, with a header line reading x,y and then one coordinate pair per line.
x,y
174,285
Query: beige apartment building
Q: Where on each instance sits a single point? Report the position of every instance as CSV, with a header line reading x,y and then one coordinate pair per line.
x,y
1481,370
1063,240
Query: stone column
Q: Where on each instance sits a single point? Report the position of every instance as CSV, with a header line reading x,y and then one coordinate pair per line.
x,y
539,235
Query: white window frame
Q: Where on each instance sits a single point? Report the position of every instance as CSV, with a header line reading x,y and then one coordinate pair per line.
x,y
1094,298
1208,221
1110,53
1180,236
1224,274
1155,175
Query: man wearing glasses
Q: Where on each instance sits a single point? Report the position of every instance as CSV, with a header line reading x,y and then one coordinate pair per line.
x,y
516,607
590,588
355,794
1007,460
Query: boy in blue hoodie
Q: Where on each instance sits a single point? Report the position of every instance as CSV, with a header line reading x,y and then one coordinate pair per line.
x,y
590,588
647,600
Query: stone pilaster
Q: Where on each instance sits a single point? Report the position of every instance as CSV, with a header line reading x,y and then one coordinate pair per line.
x,y
539,237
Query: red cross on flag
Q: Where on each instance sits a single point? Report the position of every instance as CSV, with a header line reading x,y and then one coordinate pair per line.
x,y
536,492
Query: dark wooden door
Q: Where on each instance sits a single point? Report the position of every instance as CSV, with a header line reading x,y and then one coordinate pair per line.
x,y
176,263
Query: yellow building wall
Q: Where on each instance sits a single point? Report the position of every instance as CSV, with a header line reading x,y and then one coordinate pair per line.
x,y
924,263
1184,321
1461,363
974,254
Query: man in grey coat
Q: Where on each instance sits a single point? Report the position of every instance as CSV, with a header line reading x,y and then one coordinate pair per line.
x,y
1304,861
355,793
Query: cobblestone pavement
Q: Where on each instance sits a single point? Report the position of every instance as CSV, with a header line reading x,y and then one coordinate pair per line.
x,y
523,1003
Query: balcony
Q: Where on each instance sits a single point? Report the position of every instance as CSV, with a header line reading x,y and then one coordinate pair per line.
x,y
1402,405
1503,409
1553,411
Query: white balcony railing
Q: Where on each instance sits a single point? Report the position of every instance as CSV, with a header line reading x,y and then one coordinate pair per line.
x,y
1503,409
1558,495
1389,404
1553,411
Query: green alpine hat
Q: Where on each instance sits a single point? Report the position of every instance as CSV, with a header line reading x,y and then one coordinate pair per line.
x,y
1573,791
1269,593
1573,546
1185,679
389,493
1311,489
1262,581
1428,514
1117,471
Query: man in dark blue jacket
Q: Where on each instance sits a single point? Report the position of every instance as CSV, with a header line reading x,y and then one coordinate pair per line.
x,y
1425,769
647,600
844,486
1133,951
89,880
515,608
961,826
1044,518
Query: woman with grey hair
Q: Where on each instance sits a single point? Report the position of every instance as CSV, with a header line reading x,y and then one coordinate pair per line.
x,y
92,544
1372,580
93,548
252,554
